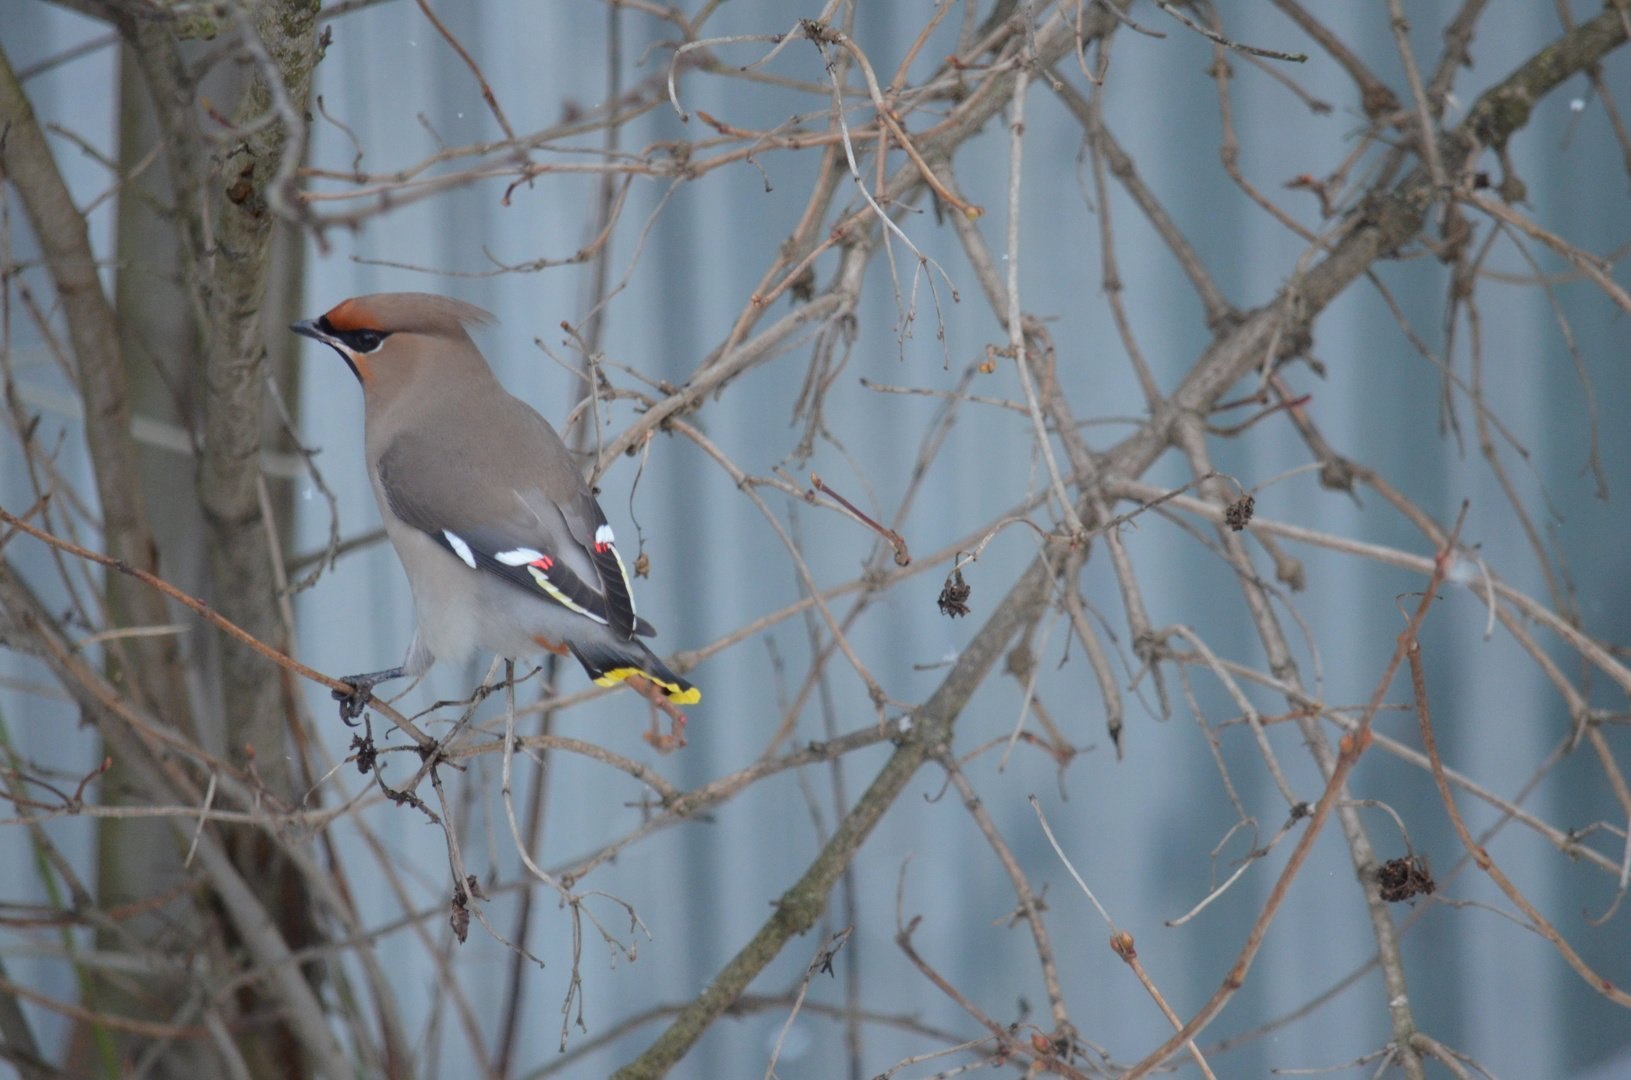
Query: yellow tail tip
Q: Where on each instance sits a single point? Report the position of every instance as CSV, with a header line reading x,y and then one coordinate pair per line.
x,y
687,696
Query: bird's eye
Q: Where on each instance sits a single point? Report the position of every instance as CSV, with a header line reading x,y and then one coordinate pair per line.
x,y
366,341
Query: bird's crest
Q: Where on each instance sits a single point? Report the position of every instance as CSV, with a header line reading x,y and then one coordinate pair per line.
x,y
419,313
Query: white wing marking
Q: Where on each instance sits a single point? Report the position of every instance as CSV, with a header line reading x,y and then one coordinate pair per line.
x,y
460,548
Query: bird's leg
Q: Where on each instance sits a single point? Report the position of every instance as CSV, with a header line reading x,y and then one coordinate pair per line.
x,y
676,731
362,688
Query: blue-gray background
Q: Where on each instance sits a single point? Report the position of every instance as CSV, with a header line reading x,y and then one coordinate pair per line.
x,y
1139,829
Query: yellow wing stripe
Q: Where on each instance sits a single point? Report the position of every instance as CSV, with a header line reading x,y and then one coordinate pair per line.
x,y
672,690
566,601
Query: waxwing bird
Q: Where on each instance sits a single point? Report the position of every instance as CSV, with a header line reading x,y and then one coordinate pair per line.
x,y
505,548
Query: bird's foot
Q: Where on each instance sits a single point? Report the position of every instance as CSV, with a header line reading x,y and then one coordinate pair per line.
x,y
362,691
352,704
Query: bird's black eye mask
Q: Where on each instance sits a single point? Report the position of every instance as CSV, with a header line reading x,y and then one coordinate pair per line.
x,y
359,341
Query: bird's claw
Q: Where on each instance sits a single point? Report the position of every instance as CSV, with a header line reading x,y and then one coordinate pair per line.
x,y
360,691
353,703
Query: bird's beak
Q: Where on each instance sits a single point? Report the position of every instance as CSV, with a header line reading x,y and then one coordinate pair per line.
x,y
309,328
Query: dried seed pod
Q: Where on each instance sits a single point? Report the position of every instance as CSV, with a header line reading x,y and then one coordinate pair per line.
x,y
458,916
1238,514
1403,879
954,594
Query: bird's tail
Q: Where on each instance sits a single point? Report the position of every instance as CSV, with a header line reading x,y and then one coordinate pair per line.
x,y
610,664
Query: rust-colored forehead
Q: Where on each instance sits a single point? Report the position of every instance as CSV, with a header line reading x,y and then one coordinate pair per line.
x,y
353,314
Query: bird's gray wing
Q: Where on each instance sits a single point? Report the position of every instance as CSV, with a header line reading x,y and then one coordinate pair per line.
x,y
474,509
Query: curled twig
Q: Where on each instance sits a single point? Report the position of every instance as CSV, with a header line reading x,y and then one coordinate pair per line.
x,y
903,557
